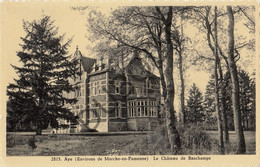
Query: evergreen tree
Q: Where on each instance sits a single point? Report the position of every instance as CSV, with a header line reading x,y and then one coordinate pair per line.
x,y
195,113
252,113
37,94
247,100
209,105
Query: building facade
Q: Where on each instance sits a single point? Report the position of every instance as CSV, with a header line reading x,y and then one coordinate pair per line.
x,y
112,99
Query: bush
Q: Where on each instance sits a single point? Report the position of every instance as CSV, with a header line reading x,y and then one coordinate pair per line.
x,y
193,141
32,143
155,143
10,142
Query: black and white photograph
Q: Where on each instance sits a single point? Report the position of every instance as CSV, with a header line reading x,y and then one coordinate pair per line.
x,y
84,80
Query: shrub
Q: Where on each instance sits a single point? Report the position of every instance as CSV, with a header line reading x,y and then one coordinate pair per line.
x,y
32,143
159,140
194,140
10,142
155,143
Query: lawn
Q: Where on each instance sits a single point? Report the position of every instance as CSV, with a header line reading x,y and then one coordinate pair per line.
x,y
65,145
249,138
51,145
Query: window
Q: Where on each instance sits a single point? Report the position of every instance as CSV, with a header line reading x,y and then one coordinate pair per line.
x,y
117,87
132,90
149,84
132,110
96,111
118,109
129,112
104,89
153,109
138,92
138,111
97,88
145,111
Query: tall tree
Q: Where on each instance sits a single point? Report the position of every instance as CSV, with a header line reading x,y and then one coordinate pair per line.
x,y
245,98
37,95
206,18
241,146
217,106
179,45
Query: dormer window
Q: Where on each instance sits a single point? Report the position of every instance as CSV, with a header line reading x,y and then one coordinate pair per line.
x,y
117,87
96,67
102,66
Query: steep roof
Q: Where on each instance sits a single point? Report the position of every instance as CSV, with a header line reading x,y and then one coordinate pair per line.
x,y
87,63
136,67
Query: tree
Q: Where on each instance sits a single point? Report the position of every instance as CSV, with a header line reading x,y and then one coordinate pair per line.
x,y
252,114
37,95
241,145
195,113
209,105
180,46
247,99
217,106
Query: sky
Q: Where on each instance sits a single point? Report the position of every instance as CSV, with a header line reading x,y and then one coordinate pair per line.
x,y
69,21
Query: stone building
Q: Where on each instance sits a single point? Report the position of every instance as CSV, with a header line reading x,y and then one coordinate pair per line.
x,y
112,99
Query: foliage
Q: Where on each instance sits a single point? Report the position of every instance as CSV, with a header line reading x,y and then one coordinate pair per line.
x,y
32,143
10,141
196,141
82,145
193,141
194,112
36,96
247,101
209,106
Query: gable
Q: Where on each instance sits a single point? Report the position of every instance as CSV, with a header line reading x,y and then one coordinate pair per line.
x,y
135,67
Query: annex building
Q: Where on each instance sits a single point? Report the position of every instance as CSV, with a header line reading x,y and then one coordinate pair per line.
x,y
112,99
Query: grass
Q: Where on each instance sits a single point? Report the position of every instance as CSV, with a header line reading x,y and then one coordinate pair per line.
x,y
64,145
51,145
250,139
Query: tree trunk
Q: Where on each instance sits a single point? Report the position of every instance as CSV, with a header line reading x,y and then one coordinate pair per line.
x,y
223,104
173,135
163,84
241,146
182,88
224,113
220,128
